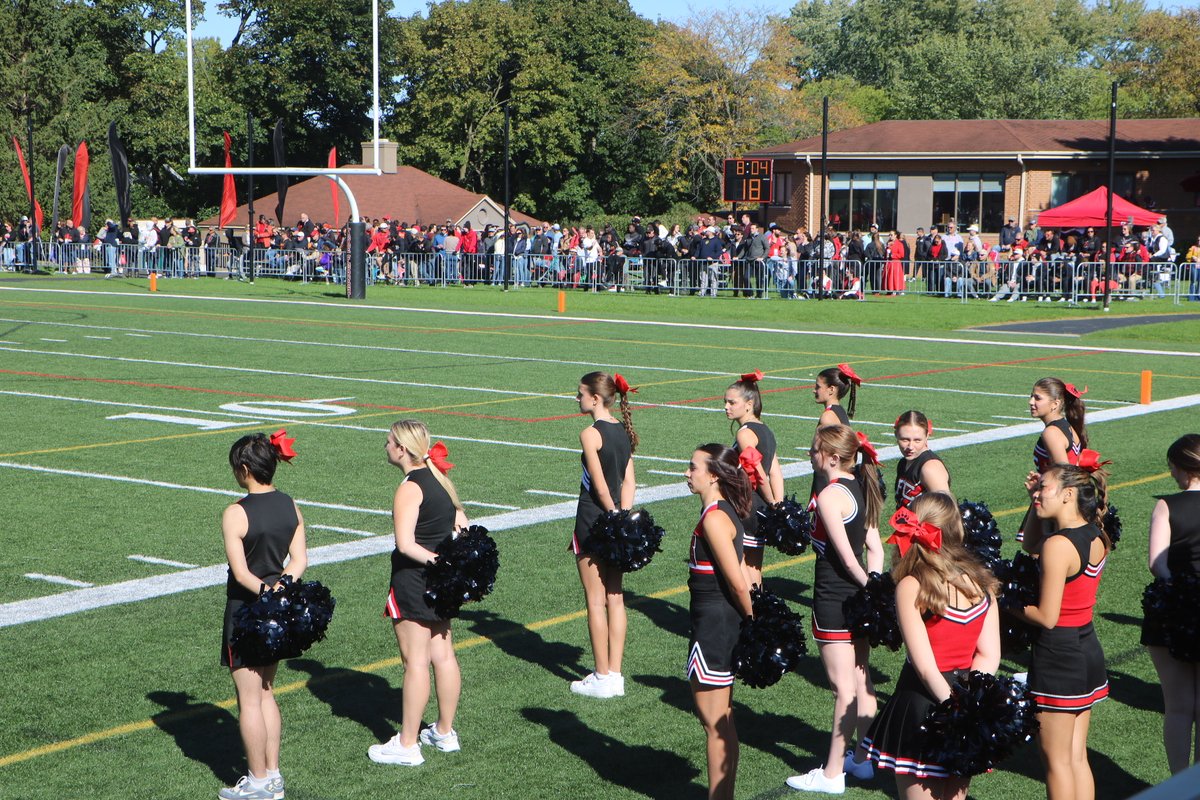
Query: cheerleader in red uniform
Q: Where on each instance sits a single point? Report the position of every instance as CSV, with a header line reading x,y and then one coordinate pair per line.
x,y
847,523
1066,673
946,606
1060,408
720,600
607,484
834,384
755,445
920,471
1175,549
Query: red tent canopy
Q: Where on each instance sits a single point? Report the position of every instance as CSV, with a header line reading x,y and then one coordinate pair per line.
x,y
1091,210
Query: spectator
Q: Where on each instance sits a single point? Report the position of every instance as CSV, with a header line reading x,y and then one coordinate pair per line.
x,y
451,243
1009,234
1010,275
981,278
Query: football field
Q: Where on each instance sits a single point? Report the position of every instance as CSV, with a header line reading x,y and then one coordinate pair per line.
x,y
120,405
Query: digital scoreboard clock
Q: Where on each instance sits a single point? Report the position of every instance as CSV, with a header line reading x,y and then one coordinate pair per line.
x,y
747,180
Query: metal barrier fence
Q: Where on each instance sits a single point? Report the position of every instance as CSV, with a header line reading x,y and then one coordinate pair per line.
x,y
1056,281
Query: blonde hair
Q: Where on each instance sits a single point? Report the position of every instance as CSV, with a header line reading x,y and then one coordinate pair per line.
x,y
951,567
413,436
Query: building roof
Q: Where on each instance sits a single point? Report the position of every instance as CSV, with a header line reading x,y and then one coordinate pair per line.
x,y
409,195
976,138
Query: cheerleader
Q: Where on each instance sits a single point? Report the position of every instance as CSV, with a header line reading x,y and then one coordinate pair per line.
x,y
1066,673
720,599
946,606
847,522
1060,408
1175,549
755,445
832,385
262,531
920,471
608,484
425,513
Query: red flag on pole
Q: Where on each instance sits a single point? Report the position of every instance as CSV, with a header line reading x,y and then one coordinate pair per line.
x,y
37,208
229,195
82,160
333,188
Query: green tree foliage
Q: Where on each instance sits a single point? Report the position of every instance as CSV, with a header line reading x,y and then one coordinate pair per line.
x,y
1161,66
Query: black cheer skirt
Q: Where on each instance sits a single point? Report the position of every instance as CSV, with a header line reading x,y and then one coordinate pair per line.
x,y
894,738
1066,671
830,592
586,514
715,628
406,597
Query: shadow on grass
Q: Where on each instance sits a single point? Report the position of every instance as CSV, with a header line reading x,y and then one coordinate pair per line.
x,y
1135,692
558,658
203,732
639,768
671,617
361,697
1111,779
1122,619
795,592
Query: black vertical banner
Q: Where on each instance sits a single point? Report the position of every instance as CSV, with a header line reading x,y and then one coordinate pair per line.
x,y
64,153
281,181
120,167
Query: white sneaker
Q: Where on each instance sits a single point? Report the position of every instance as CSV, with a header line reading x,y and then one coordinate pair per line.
x,y
1021,677
594,685
862,770
275,787
446,742
245,790
392,752
815,781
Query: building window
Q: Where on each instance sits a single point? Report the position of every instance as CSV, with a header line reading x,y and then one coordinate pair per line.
x,y
781,191
856,200
969,198
1066,186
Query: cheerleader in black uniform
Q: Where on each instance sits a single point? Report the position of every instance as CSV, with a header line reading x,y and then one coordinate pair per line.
x,y
264,540
847,523
946,605
425,512
608,483
920,471
755,446
832,385
1066,672
1061,409
1175,549
720,599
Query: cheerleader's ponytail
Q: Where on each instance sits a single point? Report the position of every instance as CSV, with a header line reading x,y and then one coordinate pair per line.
x,y
623,391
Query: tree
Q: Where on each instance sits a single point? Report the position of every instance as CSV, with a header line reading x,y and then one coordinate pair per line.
x,y
1161,67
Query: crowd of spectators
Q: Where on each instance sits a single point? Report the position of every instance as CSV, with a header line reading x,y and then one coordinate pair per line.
x,y
710,255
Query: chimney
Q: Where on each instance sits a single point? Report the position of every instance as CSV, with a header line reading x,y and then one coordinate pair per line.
x,y
387,155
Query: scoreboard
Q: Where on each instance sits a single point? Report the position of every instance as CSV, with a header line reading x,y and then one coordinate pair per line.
x,y
747,180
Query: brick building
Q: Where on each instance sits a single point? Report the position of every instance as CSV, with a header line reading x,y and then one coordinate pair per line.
x,y
904,174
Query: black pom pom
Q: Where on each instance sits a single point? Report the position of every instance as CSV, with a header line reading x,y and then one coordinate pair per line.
x,y
1020,583
981,534
465,571
625,539
982,722
1172,607
871,612
282,624
1112,525
771,643
787,526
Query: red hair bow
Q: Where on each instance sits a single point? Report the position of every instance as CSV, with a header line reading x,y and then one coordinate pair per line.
x,y
1071,390
437,456
622,384
849,374
283,445
1087,460
752,377
909,530
869,453
750,458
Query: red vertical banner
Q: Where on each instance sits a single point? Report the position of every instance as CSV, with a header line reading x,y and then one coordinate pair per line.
x,y
229,194
82,160
333,188
37,208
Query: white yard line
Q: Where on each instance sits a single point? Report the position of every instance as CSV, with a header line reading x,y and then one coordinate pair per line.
x,y
139,335
336,529
165,562
59,579
160,297
981,424
106,338
551,493
877,384
84,599
44,339
496,506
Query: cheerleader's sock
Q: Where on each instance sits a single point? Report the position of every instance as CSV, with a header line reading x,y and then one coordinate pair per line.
x,y
272,773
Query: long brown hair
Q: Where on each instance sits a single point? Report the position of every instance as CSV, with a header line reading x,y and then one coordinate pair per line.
x,y
1091,493
835,378
952,566
1184,454
842,441
1073,407
723,464
603,386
